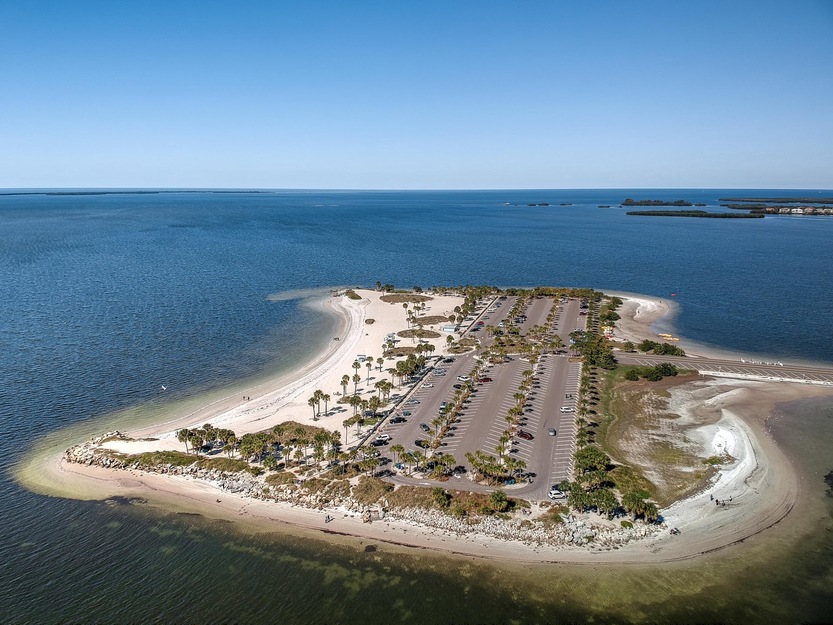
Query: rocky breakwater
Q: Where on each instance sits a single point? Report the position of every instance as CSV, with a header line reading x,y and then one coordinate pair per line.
x,y
567,530
91,454
572,530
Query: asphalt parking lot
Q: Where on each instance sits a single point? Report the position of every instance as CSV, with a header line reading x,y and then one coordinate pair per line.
x,y
482,422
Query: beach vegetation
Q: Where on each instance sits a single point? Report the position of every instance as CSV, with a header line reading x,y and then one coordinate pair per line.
x,y
660,349
316,484
441,498
281,477
405,298
370,490
553,516
350,293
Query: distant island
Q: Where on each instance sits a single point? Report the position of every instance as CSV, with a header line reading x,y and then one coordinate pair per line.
x,y
696,213
779,200
632,202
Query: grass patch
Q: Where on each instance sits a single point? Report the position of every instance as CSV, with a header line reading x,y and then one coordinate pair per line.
x,y
401,298
411,497
369,490
338,489
425,334
352,294
552,517
282,477
179,459
316,484
627,480
430,320
159,458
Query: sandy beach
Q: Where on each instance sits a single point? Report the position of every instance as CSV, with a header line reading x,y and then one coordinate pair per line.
x,y
758,486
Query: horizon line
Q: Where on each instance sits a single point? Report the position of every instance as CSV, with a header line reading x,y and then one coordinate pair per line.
x,y
36,190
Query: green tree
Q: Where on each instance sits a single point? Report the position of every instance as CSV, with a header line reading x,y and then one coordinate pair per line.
x,y
591,458
441,498
183,436
499,501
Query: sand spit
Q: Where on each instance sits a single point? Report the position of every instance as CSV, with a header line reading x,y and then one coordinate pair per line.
x,y
757,485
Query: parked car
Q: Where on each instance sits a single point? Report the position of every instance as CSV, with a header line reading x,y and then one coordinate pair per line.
x,y
383,437
421,443
399,419
555,493
551,431
412,402
566,409
458,386
427,385
424,427
525,435
463,378
406,413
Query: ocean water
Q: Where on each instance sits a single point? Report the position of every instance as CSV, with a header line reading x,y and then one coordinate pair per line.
x,y
105,298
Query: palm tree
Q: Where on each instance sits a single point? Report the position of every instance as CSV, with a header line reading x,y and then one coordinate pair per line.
x,y
326,397
345,380
369,365
356,379
396,450
183,436
311,403
380,361
409,459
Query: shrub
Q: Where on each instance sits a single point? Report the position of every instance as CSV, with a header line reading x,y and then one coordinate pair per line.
x,y
627,525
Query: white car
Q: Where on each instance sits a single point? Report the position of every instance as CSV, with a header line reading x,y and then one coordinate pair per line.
x,y
566,409
557,494
427,385
383,437
463,378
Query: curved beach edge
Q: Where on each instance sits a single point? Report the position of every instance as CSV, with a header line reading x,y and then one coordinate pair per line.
x,y
760,486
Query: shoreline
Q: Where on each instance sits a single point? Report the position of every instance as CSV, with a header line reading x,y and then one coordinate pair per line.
x,y
280,395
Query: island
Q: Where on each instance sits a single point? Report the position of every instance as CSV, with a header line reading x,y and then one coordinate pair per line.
x,y
695,213
631,202
443,423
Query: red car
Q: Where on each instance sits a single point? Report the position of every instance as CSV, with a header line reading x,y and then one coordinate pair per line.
x,y
482,380
525,435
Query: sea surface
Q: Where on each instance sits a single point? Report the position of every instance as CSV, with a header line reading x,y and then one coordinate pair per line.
x,y
105,298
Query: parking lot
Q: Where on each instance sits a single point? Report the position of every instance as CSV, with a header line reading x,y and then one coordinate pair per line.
x,y
482,422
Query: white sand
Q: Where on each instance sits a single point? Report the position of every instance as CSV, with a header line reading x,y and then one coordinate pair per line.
x,y
285,399
760,482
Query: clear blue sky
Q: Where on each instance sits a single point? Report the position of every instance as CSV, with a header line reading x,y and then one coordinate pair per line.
x,y
431,94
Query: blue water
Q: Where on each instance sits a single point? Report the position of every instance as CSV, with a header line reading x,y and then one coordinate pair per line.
x,y
104,298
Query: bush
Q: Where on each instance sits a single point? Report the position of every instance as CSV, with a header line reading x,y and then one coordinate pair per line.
x,y
627,525
632,375
369,490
